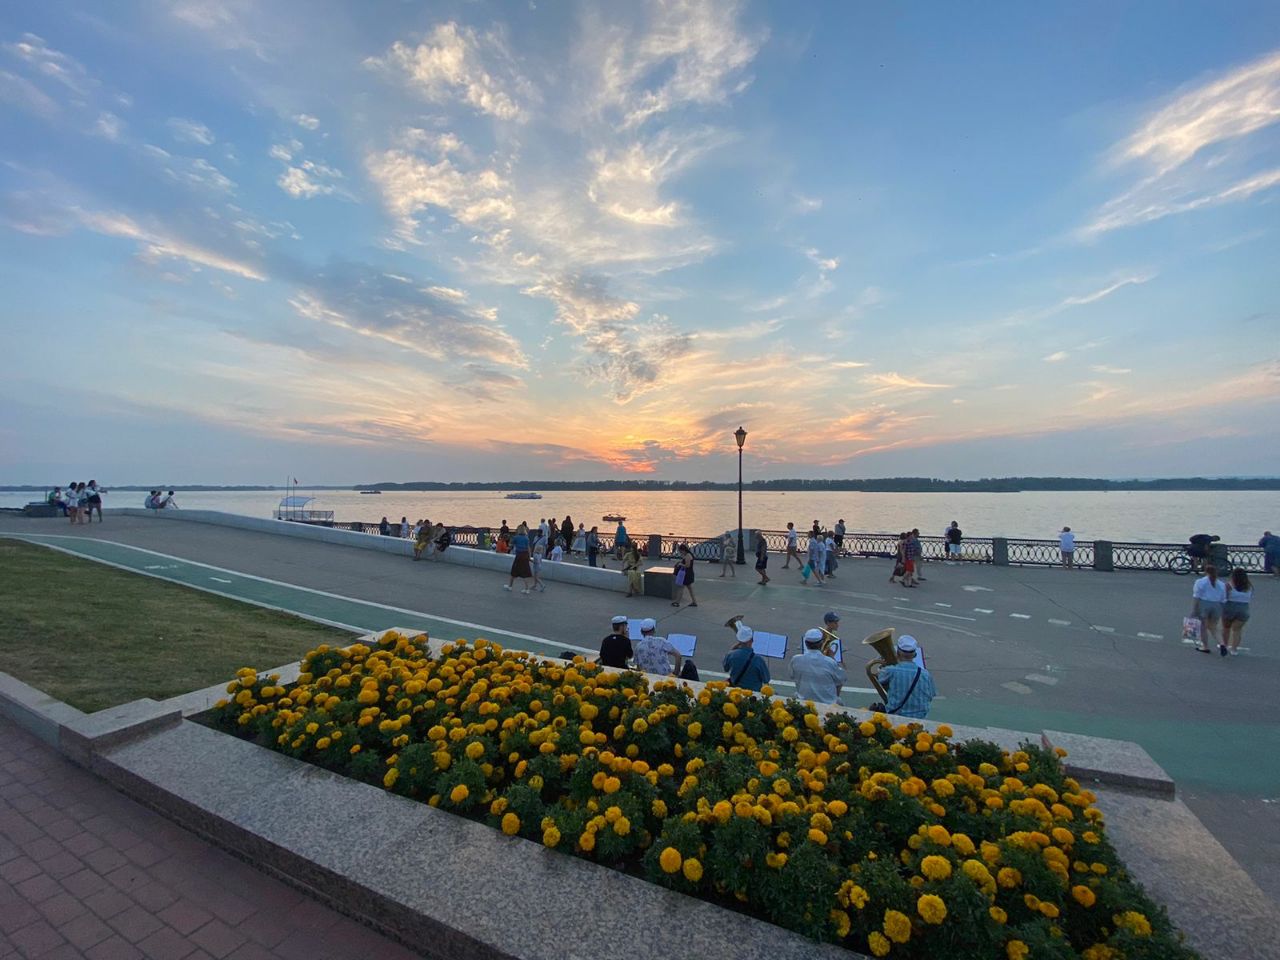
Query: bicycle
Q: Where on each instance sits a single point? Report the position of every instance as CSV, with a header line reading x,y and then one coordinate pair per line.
x,y
1185,562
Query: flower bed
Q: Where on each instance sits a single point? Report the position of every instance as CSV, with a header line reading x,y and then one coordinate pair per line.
x,y
887,839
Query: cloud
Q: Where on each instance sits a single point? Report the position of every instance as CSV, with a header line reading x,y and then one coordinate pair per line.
x,y
223,22
51,64
108,125
690,53
192,171
1195,151
156,243
411,183
307,121
22,93
1082,299
190,131
893,382
448,65
1114,371
308,180
630,355
1057,357
802,204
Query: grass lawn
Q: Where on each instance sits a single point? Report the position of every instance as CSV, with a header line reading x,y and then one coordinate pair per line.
x,y
94,636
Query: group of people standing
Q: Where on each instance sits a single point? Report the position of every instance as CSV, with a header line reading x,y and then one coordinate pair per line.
x,y
78,501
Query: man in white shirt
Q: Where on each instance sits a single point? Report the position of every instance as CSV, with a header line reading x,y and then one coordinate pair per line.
x,y
793,544
1067,544
818,677
652,654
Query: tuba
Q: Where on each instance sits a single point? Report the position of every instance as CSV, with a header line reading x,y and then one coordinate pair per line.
x,y
882,641
829,640
732,622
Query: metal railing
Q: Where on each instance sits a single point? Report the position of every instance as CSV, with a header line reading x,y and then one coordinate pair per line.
x,y
1015,551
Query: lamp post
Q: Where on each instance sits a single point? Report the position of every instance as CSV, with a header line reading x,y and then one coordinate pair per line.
x,y
741,436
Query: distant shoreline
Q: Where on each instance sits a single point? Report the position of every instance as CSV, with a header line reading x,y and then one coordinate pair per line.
x,y
884,485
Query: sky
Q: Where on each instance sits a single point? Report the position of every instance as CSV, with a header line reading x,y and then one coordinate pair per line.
x,y
242,242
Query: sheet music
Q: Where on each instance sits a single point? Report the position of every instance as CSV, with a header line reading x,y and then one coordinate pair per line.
x,y
838,647
772,645
684,642
633,629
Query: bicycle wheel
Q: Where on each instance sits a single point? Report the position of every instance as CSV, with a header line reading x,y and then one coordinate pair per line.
x,y
1181,564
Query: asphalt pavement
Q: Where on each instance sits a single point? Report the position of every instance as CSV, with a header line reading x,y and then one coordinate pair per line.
x,y
1018,647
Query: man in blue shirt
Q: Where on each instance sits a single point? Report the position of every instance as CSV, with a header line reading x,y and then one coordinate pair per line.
x,y
908,683
746,668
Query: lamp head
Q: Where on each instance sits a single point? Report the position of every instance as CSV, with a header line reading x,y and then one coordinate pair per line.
x,y
741,436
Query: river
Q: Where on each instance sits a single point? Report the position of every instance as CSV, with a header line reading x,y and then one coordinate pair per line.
x,y
1168,517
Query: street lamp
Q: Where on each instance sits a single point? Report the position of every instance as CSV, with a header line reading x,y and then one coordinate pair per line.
x,y
741,436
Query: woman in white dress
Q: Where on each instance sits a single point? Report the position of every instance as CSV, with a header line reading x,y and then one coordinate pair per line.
x,y
579,540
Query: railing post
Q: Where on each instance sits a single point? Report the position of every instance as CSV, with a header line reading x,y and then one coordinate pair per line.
x,y
1102,559
1219,555
655,546
1000,551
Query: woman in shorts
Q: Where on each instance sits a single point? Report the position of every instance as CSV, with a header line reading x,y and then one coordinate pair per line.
x,y
72,500
1235,612
726,557
94,493
1208,596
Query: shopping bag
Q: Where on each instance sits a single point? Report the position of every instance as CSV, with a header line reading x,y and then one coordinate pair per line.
x,y
808,569
1191,629
680,577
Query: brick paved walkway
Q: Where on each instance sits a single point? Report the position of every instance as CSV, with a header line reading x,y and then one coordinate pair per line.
x,y
87,872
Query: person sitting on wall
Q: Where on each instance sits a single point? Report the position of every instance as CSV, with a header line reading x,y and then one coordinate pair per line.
x,y
615,649
907,682
746,668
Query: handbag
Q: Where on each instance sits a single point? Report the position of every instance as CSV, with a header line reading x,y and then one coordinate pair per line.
x,y
680,577
1191,627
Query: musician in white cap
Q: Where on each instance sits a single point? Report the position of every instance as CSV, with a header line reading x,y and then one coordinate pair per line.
x,y
746,668
817,675
615,649
907,682
653,654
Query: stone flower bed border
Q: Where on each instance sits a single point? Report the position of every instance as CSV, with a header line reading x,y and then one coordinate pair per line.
x,y
450,887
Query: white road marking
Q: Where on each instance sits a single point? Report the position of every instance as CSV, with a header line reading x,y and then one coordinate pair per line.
x,y
1104,629
942,605
982,610
1060,623
1193,643
1020,616
162,566
975,589
934,613
1016,687
1041,678
1151,636
219,580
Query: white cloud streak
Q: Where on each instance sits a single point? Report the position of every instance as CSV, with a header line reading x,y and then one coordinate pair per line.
x,y
190,131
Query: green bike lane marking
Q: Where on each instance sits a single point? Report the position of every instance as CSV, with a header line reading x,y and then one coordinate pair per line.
x,y
1209,753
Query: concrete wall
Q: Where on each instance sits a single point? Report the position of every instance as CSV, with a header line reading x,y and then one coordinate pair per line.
x,y
461,556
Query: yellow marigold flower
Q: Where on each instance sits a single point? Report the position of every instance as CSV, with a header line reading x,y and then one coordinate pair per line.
x,y
768,768
588,711
475,750
1008,877
659,808
498,806
323,743
612,785
817,836
877,944
841,920
622,826
998,915
551,836
1099,868
867,729
931,908
775,860
459,793
837,808
990,852
695,730
510,822
935,867
587,841
670,860
390,777
1016,950
692,870
1083,895
790,734
897,926
962,845
1133,921
939,835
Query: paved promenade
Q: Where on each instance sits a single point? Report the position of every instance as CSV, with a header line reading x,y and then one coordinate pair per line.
x,y
1025,648
86,872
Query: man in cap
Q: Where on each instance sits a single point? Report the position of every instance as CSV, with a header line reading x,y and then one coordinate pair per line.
x,y
746,669
831,624
652,654
818,677
908,684
615,649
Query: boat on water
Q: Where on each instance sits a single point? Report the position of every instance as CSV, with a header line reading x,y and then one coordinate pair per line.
x,y
613,518
370,493
524,496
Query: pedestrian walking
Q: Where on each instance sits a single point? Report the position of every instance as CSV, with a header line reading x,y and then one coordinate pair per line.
x,y
1207,599
536,555
619,541
954,537
684,577
521,565
899,559
726,557
793,547
1067,547
1235,612
762,558
910,557
817,560
918,550
831,561
631,567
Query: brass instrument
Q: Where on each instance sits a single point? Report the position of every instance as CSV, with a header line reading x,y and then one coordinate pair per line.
x,y
829,639
732,622
882,641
